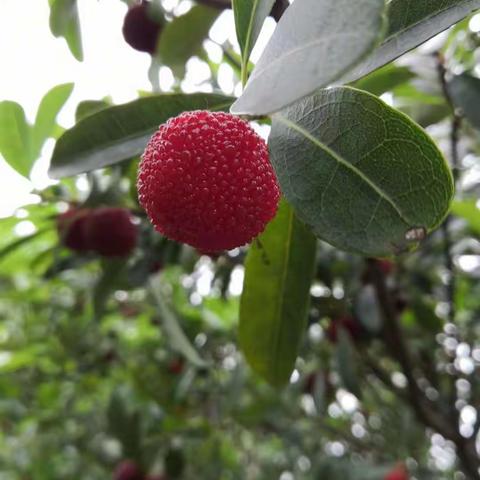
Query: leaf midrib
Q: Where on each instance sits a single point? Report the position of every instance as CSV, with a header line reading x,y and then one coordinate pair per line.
x,y
345,163
280,305
249,30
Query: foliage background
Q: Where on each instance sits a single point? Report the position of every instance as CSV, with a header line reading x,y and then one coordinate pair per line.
x,y
89,348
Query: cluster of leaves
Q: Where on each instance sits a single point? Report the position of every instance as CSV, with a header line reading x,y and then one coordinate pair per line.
x,y
138,357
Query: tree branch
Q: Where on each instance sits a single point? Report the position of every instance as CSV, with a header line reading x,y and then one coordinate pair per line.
x,y
426,410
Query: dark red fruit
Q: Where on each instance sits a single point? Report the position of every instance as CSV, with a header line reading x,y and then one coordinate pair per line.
x,y
128,470
71,229
310,382
205,179
176,366
140,30
350,324
398,473
386,266
111,232
156,266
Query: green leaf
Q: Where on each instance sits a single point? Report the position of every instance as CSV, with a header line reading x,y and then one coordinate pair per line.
x,y
249,18
363,175
122,132
20,242
468,210
89,107
48,110
412,22
424,310
465,92
274,304
384,79
178,340
64,23
315,43
182,38
347,363
15,137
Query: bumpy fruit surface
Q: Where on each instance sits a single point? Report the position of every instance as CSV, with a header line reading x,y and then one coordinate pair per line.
x,y
71,227
205,179
398,473
111,232
128,470
141,31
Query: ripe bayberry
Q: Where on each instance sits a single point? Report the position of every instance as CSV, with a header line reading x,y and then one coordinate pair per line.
x,y
205,179
140,30
350,324
71,229
176,366
111,232
398,473
128,470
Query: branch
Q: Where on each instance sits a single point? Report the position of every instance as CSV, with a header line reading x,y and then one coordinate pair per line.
x,y
426,410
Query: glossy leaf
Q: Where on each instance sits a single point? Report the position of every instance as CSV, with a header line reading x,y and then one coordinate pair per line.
x,y
89,107
15,137
122,132
182,38
384,79
64,22
411,23
315,43
363,175
249,18
48,110
274,303
465,92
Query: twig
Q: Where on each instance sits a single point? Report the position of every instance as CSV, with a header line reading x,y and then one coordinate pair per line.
x,y
426,410
450,287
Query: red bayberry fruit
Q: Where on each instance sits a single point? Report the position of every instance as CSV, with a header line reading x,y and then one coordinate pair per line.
x,y
205,179
71,229
310,382
111,232
176,366
350,324
398,473
386,266
140,30
128,470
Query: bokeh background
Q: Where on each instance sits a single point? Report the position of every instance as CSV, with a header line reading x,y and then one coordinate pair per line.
x,y
103,360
